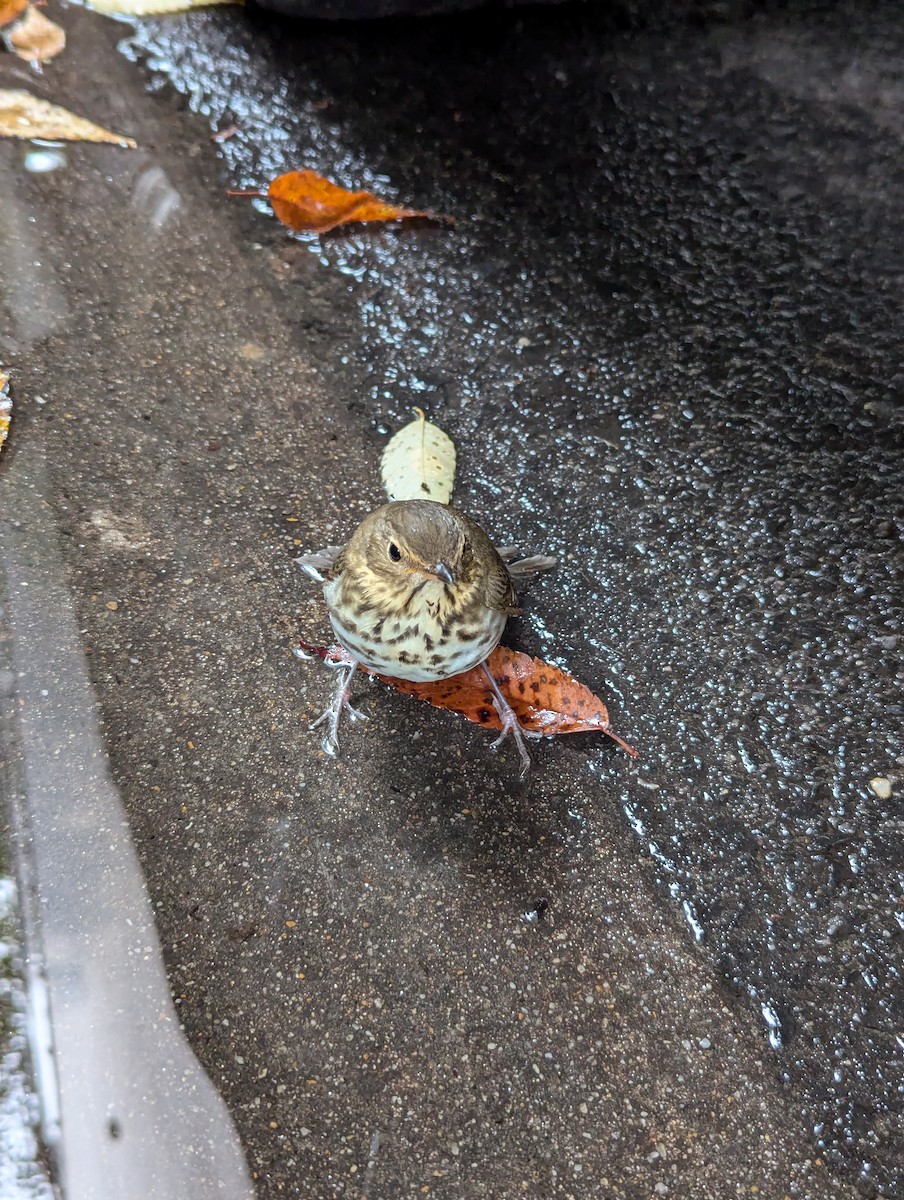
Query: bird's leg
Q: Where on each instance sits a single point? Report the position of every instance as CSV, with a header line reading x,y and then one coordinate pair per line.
x,y
339,702
510,723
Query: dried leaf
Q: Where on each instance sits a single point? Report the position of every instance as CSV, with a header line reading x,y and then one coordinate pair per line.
x,y
34,37
25,116
152,8
418,462
308,203
10,9
6,406
545,699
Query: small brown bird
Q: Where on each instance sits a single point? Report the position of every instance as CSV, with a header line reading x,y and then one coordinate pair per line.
x,y
421,593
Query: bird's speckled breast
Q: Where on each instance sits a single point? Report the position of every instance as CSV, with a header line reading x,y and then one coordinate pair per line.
x,y
421,647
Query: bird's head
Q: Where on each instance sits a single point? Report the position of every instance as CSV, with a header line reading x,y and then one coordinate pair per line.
x,y
408,543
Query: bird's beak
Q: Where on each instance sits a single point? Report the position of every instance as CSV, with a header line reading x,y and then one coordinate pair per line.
x,y
441,571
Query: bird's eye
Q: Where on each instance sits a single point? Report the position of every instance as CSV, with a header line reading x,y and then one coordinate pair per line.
x,y
394,552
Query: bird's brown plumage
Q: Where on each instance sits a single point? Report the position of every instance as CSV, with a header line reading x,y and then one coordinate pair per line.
x,y
419,592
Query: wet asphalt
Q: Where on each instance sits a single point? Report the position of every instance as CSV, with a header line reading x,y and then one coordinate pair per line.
x,y
664,335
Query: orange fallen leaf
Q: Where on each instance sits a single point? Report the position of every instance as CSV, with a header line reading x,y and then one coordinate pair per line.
x,y
309,203
545,699
10,9
29,33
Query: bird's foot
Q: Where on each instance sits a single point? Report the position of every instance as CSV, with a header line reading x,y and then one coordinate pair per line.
x,y
510,723
340,703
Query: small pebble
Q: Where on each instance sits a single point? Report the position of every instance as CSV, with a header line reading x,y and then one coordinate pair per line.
x,y
881,786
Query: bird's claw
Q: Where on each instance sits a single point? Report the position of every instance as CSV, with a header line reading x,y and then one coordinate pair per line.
x,y
332,714
510,724
516,729
354,714
335,663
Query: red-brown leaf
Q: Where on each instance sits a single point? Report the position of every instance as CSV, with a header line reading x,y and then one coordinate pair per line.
x,y
307,202
545,699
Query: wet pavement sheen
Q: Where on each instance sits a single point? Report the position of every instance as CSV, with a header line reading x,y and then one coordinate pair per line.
x,y
665,336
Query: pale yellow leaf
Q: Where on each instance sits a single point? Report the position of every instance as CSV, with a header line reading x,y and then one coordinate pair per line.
x,y
419,463
34,37
152,8
25,116
6,407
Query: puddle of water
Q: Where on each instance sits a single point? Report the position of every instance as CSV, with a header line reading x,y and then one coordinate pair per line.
x,y
663,347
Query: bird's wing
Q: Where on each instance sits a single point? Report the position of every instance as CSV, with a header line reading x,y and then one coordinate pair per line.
x,y
500,592
315,564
